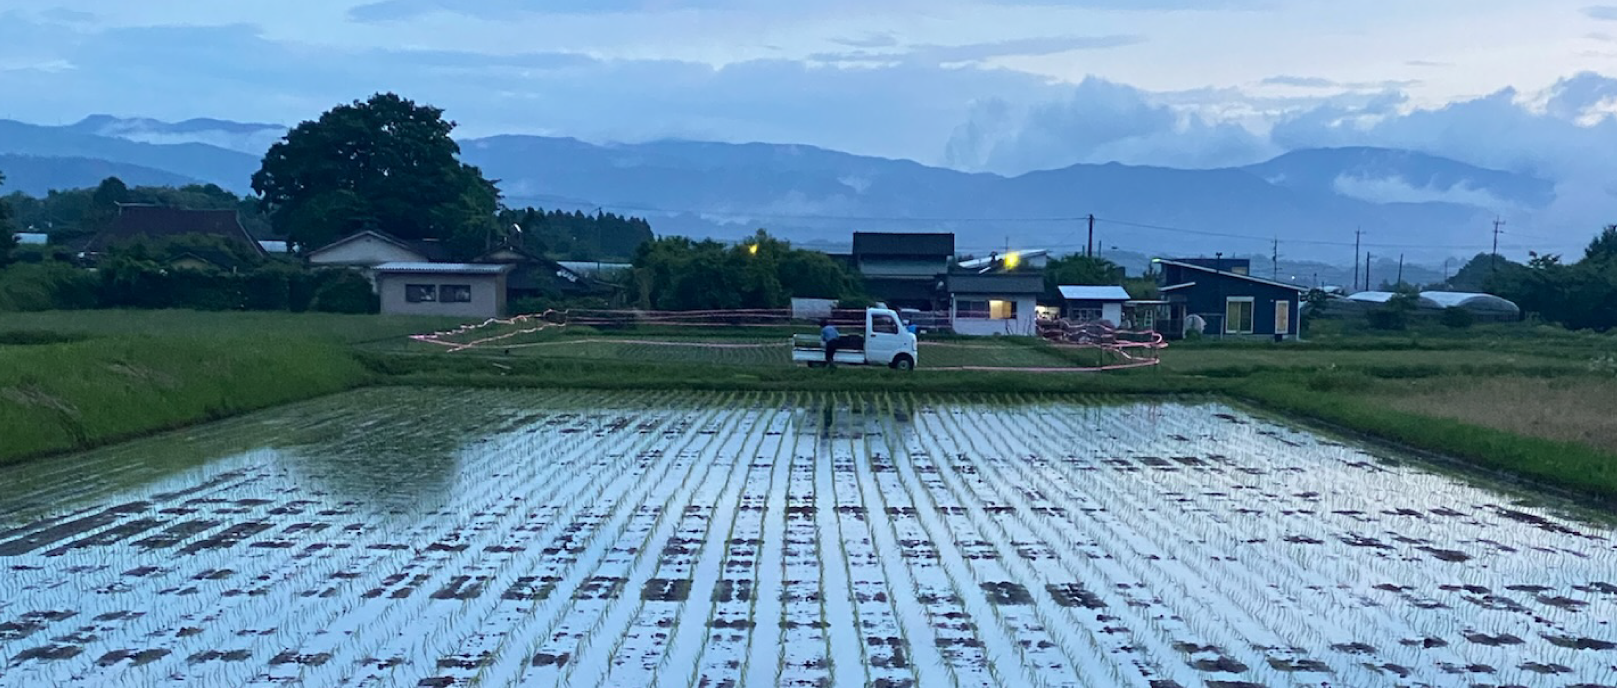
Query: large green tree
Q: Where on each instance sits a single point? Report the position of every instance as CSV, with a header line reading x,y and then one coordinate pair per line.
x,y
676,273
8,239
384,163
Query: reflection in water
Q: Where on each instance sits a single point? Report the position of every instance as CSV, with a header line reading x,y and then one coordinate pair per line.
x,y
430,537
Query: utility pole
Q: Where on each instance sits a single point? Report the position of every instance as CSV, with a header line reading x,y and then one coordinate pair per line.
x,y
1494,259
1089,249
1367,271
1358,233
1400,271
1274,260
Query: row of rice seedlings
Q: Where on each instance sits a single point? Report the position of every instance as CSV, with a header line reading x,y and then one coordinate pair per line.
x,y
884,648
1255,615
719,647
553,469
1383,630
986,631
561,625
805,635
687,516
969,470
968,530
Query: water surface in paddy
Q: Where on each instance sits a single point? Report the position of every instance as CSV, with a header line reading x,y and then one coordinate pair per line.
x,y
434,537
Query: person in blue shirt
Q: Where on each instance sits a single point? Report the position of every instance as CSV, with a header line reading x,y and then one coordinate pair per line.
x,y
829,337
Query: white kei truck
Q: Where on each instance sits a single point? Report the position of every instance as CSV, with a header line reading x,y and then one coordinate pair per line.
x,y
886,342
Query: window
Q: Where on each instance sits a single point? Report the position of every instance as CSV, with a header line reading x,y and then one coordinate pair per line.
x,y
965,308
420,293
455,293
1002,310
1238,315
881,324
1086,315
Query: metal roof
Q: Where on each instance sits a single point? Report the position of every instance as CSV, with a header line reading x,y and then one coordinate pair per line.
x,y
996,284
1226,273
443,268
157,222
998,258
33,238
1089,293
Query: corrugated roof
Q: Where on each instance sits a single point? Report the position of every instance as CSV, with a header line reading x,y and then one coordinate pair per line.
x,y
158,222
33,238
1093,293
1011,284
903,244
443,268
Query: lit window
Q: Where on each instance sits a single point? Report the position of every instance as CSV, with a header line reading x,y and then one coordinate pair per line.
x,y
455,293
1002,310
420,293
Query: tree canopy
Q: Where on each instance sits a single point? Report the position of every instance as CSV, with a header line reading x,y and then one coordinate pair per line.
x,y
81,212
1578,295
576,235
677,273
384,163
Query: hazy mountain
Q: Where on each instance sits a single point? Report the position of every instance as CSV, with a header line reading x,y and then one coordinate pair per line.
x,y
37,176
1310,200
229,169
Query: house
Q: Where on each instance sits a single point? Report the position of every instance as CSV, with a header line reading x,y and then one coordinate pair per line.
x,y
465,290
1002,303
535,276
156,222
370,248
1092,304
903,270
1227,298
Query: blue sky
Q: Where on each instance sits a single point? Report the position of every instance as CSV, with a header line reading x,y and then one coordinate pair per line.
x,y
1003,85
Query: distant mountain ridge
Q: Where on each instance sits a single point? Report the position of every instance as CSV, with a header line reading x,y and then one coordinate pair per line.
x,y
820,195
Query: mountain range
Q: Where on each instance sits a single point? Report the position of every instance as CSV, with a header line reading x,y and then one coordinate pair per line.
x,y
1311,201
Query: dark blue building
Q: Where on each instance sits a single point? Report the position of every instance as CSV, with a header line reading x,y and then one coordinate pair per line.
x,y
1224,294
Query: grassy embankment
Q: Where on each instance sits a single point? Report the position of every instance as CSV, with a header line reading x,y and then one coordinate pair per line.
x,y
1525,401
76,380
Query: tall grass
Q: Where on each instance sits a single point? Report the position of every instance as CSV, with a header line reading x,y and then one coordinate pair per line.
x,y
1352,402
68,396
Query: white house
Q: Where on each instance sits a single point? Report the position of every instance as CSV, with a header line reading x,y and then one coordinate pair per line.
x,y
465,290
992,304
1093,304
371,248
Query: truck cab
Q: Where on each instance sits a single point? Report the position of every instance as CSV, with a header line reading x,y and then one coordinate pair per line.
x,y
885,342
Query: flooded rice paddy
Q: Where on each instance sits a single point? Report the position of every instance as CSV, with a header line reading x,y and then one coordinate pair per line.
x,y
443,538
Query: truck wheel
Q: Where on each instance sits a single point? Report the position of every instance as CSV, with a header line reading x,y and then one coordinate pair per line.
x,y
904,363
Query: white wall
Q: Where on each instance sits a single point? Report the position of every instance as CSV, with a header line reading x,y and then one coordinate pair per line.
x,y
1024,324
488,295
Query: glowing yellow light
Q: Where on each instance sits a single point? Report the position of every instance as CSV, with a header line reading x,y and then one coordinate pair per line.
x,y
1012,260
753,249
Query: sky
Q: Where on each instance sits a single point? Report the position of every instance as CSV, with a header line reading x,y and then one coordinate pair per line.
x,y
984,85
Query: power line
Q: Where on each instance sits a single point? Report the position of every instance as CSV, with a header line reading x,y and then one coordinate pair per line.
x,y
1046,219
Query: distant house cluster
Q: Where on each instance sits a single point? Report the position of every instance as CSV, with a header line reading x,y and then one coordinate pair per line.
x,y
1001,294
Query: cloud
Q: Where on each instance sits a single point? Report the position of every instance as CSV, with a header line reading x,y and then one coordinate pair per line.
x,y
1098,121
1427,63
1146,5
978,52
1601,12
1315,82
872,40
400,10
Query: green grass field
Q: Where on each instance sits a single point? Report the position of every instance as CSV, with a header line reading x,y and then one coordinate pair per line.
x,y
1528,401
